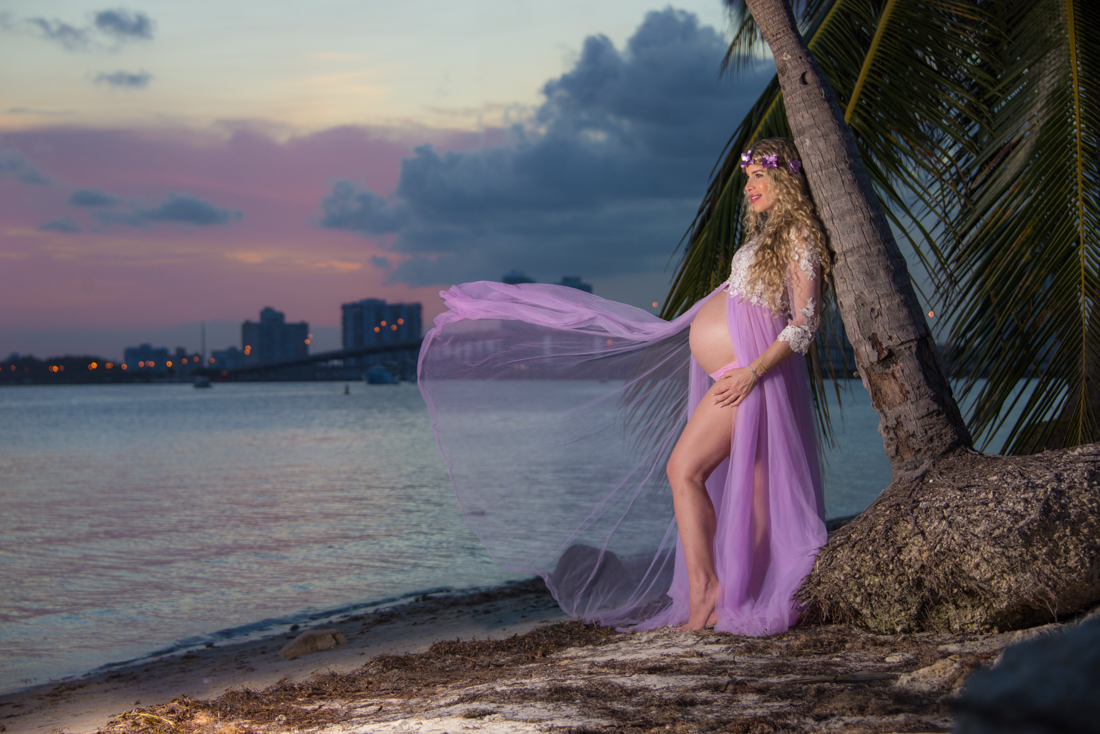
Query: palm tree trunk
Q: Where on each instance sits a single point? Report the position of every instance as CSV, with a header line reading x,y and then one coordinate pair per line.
x,y
896,355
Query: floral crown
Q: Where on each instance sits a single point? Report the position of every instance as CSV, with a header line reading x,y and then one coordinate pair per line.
x,y
770,161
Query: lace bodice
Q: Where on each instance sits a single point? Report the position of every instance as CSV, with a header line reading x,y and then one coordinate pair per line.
x,y
799,301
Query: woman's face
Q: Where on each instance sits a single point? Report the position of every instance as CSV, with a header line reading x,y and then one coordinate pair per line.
x,y
757,191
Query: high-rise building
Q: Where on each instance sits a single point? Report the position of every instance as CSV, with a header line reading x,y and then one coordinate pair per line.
x,y
273,340
373,321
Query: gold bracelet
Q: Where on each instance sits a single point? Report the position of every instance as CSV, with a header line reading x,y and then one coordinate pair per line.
x,y
762,367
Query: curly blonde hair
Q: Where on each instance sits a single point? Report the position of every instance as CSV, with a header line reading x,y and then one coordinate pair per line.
x,y
792,219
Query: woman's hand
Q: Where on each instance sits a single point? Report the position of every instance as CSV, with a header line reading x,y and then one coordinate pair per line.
x,y
733,387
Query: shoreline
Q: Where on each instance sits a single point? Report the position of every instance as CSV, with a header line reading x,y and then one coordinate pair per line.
x,y
85,703
269,627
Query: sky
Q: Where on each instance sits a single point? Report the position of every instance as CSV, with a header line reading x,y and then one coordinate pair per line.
x,y
164,164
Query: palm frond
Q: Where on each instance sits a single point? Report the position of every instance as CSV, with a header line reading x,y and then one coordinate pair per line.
x,y
910,75
1027,258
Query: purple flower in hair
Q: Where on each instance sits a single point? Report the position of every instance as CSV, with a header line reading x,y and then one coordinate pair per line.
x,y
794,165
746,159
769,161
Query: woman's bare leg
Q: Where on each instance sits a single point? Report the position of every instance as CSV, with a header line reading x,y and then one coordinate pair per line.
x,y
703,445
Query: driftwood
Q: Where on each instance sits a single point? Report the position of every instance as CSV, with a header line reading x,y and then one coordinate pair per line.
x,y
977,544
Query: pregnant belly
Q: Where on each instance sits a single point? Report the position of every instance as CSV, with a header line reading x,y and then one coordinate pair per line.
x,y
709,337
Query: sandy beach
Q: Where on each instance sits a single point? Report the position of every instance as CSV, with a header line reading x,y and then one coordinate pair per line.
x,y
85,704
506,660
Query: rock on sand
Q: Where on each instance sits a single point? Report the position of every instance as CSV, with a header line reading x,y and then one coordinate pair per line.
x,y
312,641
1047,685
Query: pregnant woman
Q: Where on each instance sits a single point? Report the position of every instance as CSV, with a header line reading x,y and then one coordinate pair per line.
x,y
567,422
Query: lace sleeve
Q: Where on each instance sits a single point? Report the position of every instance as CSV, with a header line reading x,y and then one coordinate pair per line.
x,y
804,281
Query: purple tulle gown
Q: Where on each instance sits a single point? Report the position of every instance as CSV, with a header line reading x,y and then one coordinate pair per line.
x,y
555,412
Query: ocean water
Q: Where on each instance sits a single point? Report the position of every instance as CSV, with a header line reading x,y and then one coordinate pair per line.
x,y
137,519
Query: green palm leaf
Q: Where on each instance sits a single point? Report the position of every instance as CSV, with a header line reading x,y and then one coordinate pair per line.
x,y
1027,254
910,76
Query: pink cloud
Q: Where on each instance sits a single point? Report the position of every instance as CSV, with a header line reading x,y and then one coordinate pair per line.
x,y
165,271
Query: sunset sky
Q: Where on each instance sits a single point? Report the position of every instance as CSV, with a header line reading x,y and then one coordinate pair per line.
x,y
166,163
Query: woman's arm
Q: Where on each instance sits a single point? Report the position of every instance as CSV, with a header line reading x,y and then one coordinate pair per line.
x,y
804,275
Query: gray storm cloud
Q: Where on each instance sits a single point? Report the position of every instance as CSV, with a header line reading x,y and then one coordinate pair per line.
x,y
69,37
349,207
123,25
67,225
174,209
603,179
125,79
14,164
115,25
92,198
184,209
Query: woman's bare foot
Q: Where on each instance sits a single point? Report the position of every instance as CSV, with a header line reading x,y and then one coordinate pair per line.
x,y
701,610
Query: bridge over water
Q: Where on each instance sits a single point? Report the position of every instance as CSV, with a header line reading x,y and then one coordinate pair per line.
x,y
298,369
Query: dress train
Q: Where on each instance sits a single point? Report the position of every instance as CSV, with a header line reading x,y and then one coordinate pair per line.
x,y
555,412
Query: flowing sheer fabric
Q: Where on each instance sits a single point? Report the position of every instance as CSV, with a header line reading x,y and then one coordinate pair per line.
x,y
555,412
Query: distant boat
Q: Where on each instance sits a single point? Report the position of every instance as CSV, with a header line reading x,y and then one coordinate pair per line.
x,y
379,375
202,382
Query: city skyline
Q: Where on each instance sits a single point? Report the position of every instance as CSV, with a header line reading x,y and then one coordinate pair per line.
x,y
341,150
222,335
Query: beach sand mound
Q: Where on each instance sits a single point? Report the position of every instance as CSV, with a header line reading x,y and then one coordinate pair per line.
x,y
978,544
581,679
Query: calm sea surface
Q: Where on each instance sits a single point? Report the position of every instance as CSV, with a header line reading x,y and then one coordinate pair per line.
x,y
136,519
